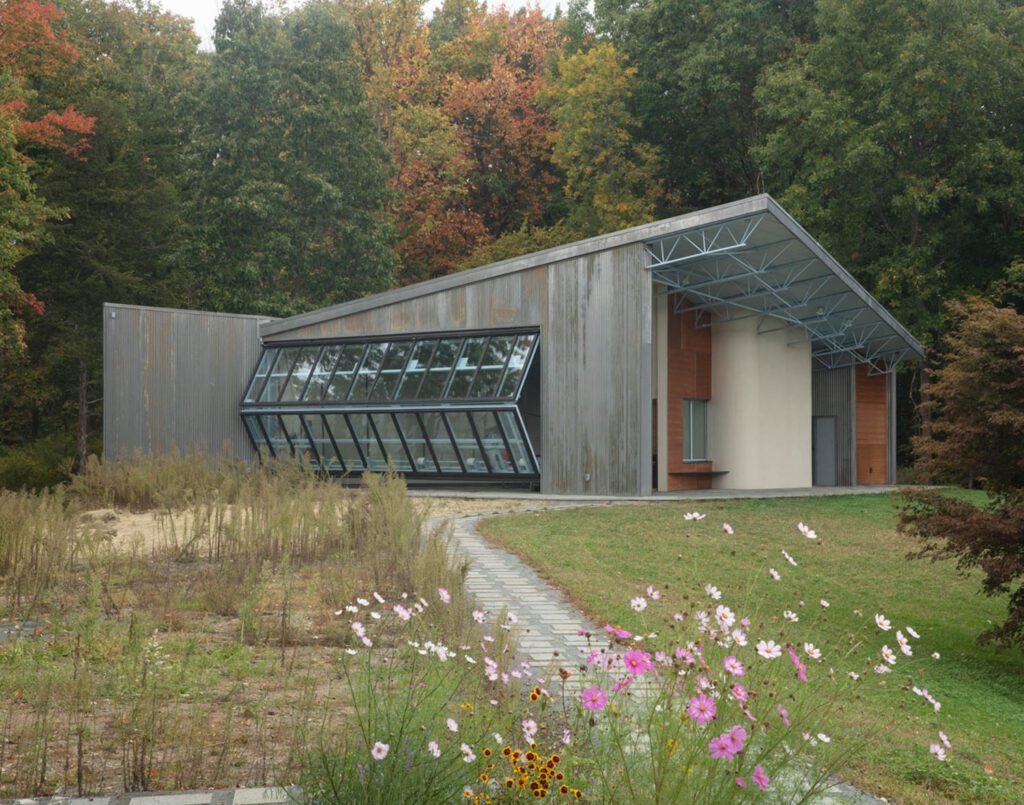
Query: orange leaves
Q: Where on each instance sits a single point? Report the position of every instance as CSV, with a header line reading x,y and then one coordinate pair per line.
x,y
65,131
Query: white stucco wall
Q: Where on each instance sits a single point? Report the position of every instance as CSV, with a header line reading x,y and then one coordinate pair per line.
x,y
760,416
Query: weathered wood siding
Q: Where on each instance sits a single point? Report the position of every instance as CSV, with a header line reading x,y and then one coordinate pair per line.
x,y
512,300
174,379
596,392
833,395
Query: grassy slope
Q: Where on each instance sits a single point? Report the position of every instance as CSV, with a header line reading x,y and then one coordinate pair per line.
x,y
602,556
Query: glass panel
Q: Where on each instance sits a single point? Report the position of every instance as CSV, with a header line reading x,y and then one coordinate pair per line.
x,y
343,438
440,368
322,373
322,442
392,441
515,441
292,390
261,372
464,438
253,429
278,443
415,370
416,442
297,436
493,367
695,430
494,446
363,428
517,365
368,371
447,459
465,369
391,371
279,374
347,364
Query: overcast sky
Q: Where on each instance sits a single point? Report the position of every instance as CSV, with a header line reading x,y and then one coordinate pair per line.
x,y
204,12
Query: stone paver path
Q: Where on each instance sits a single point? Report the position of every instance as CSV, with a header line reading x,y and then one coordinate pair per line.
x,y
548,624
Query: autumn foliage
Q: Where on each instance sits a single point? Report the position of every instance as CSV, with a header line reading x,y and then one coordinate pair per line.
x,y
977,437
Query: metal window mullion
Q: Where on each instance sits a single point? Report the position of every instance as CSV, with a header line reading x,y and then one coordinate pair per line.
x,y
455,366
316,364
524,435
334,371
259,381
334,444
312,442
479,441
246,420
355,371
376,435
479,365
263,430
426,373
504,369
504,439
527,366
428,440
355,441
401,438
287,377
266,378
284,430
380,371
405,369
455,443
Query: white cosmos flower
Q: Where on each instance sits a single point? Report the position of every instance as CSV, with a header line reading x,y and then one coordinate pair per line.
x,y
768,649
824,738
882,622
853,675
938,751
945,740
380,751
453,725
812,652
694,516
912,633
479,616
725,617
824,603
362,602
882,669
774,573
727,528
935,655
638,604
434,749
380,599
888,655
790,616
739,637
654,594
789,558
467,753
712,591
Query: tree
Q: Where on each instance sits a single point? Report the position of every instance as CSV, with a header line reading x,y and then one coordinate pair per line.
x,y
122,206
31,51
698,64
612,180
287,174
898,139
977,436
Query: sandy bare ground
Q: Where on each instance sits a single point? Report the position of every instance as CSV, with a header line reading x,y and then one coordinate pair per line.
x,y
150,533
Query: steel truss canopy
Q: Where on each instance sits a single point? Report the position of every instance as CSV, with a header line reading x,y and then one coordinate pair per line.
x,y
763,264
437,405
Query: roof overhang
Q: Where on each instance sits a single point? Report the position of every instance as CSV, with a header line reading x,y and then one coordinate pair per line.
x,y
762,264
746,258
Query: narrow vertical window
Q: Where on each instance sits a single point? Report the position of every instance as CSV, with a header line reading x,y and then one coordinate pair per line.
x,y
695,430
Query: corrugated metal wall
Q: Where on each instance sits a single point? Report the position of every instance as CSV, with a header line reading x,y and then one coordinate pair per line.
x,y
174,378
832,394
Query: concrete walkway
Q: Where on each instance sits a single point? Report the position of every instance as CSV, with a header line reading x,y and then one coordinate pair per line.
x,y
505,493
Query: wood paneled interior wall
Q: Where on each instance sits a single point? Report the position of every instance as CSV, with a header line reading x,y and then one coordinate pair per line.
x,y
689,378
872,425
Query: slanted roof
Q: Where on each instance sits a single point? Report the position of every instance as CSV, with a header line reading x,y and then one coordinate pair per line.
x,y
746,258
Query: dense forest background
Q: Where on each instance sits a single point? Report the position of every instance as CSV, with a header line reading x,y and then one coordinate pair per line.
x,y
319,154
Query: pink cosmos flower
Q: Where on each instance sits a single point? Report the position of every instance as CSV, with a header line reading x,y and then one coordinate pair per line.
x,y
686,656
620,633
654,594
434,749
380,750
945,740
760,778
938,751
594,698
734,666
720,748
741,782
637,661
784,713
737,738
739,693
727,528
702,708
444,595
621,684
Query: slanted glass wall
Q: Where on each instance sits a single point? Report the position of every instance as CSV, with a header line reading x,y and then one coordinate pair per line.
x,y
434,406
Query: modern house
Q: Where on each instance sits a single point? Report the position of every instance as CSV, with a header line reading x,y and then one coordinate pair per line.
x,y
723,348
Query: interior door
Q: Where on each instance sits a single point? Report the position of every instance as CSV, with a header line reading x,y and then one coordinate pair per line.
x,y
825,469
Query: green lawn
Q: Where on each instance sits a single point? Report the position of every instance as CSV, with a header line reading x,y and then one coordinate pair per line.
x,y
601,556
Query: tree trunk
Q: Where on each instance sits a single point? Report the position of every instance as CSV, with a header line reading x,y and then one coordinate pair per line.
x,y
83,415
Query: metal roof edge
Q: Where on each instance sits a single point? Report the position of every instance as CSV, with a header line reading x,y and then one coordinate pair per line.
x,y
512,265
827,259
126,306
